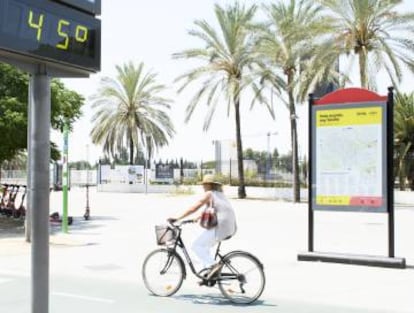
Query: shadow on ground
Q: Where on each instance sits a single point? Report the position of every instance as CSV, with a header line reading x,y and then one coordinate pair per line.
x,y
81,225
14,228
217,300
11,227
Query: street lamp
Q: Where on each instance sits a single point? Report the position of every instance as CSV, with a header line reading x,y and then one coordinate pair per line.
x,y
269,158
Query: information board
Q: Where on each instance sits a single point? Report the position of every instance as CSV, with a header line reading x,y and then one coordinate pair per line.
x,y
349,157
164,171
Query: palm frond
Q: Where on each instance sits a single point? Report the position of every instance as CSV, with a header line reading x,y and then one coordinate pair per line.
x,y
125,106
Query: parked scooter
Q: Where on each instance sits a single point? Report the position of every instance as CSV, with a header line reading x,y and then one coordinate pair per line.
x,y
10,206
21,210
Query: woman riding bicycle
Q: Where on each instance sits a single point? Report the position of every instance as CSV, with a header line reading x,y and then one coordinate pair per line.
x,y
238,274
226,223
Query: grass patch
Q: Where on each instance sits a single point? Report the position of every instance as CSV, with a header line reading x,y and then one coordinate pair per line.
x,y
182,190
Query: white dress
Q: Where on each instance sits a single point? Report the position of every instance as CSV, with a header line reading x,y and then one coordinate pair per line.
x,y
226,225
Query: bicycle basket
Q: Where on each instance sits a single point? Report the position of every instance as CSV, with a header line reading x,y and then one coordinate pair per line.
x,y
165,234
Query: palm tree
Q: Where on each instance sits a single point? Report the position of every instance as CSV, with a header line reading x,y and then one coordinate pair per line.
x,y
226,59
287,42
129,109
375,33
404,135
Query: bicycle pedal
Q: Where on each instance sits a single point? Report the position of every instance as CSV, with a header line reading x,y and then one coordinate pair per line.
x,y
207,283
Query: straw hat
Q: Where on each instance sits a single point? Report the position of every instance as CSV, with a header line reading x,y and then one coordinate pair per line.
x,y
209,179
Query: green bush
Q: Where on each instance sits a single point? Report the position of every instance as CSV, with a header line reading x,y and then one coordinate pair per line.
x,y
191,181
256,182
180,190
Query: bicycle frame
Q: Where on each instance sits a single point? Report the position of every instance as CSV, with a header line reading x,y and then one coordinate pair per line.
x,y
180,243
231,276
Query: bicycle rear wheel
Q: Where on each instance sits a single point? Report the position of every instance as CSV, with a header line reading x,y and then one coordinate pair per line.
x,y
241,279
163,272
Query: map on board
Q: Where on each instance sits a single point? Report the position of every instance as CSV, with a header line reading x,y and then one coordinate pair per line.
x,y
349,157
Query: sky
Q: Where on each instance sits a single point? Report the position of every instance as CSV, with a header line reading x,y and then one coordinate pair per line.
x,y
150,32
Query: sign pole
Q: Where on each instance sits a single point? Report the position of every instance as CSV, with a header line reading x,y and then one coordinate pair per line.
x,y
390,171
39,193
28,219
65,175
310,161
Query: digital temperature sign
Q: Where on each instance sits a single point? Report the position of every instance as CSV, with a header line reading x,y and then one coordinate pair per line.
x,y
44,30
90,6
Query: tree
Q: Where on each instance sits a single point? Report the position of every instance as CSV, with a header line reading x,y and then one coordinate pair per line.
x,y
285,162
281,162
65,105
129,109
372,31
226,58
121,158
275,158
19,162
262,159
140,157
287,42
80,165
105,160
13,127
404,137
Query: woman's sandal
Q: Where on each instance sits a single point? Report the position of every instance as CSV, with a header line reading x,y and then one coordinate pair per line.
x,y
211,271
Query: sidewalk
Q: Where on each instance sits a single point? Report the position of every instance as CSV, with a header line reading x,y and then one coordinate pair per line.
x,y
120,233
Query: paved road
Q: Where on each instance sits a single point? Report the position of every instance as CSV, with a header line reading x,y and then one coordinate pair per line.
x,y
76,294
97,265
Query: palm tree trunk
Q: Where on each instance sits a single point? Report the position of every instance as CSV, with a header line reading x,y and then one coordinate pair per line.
x,y
402,175
403,165
242,187
363,67
294,140
131,150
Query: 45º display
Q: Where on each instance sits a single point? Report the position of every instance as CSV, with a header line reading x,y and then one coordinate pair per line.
x,y
46,30
65,32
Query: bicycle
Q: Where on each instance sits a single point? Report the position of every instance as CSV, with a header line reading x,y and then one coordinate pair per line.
x,y
241,278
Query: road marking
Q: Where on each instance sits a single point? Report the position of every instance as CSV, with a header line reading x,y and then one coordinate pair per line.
x,y
71,295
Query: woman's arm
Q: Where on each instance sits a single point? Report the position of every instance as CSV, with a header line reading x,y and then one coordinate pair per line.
x,y
204,200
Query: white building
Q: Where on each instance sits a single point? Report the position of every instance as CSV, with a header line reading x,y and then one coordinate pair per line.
x,y
226,159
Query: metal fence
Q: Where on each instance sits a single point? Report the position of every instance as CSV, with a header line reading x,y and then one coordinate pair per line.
x,y
76,177
95,176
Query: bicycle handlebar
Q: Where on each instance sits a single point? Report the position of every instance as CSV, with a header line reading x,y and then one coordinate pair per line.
x,y
187,222
178,224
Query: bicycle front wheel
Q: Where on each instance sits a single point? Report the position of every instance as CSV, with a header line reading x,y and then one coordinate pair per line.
x,y
163,272
241,279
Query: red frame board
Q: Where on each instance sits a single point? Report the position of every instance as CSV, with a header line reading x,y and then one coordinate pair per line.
x,y
348,136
